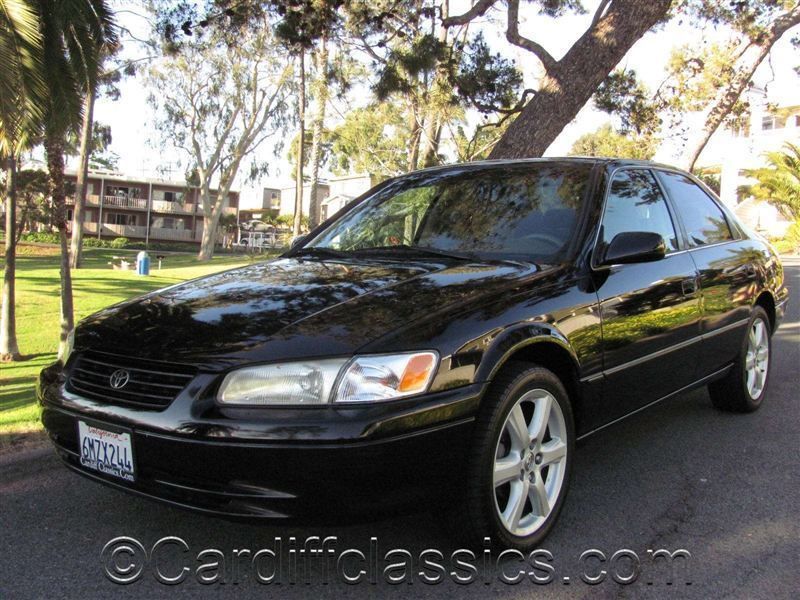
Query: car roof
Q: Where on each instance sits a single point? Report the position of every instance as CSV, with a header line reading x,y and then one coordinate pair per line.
x,y
501,162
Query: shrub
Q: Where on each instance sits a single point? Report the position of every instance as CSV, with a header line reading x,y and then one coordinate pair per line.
x,y
41,237
91,242
790,242
120,242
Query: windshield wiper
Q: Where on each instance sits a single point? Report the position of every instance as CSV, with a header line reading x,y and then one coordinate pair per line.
x,y
321,252
420,250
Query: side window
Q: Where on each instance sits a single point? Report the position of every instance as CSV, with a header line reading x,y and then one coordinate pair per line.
x,y
635,203
704,221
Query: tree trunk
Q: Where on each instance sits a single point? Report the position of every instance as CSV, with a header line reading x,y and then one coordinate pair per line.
x,y
209,238
415,133
9,350
726,101
321,92
301,115
80,184
571,81
54,150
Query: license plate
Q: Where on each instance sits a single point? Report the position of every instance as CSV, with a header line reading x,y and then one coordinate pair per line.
x,y
108,452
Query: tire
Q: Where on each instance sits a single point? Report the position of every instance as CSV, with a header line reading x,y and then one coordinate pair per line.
x,y
490,508
743,389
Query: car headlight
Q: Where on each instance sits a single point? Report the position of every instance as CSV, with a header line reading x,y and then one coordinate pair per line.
x,y
300,383
308,383
386,377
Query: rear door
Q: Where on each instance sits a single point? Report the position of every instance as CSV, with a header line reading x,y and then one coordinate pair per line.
x,y
650,311
726,261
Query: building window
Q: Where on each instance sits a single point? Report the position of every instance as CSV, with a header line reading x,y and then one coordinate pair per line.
x,y
120,219
168,223
772,122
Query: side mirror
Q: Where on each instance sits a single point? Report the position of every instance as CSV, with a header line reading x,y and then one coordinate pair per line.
x,y
297,240
635,247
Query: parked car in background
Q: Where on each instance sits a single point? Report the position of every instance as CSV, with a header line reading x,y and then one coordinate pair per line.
x,y
441,344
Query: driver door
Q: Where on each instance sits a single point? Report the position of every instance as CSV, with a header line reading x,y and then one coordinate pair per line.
x,y
650,311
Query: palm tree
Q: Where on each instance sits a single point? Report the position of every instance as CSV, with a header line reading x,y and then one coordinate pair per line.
x,y
74,32
22,98
779,182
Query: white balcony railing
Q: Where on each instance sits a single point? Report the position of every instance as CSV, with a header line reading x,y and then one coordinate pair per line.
x,y
165,206
127,231
164,233
91,200
125,202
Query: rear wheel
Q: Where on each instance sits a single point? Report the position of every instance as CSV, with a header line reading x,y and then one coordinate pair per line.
x,y
744,387
521,458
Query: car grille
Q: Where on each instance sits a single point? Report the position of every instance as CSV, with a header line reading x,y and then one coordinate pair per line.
x,y
149,384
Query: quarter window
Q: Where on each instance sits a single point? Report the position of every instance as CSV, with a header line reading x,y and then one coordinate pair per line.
x,y
704,221
635,203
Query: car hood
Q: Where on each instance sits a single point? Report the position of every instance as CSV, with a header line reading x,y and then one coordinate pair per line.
x,y
288,308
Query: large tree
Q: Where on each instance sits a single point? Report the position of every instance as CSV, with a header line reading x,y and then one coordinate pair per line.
x,y
759,25
708,78
22,101
568,82
217,100
73,34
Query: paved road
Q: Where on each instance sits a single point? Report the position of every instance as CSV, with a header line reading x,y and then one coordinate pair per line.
x,y
680,476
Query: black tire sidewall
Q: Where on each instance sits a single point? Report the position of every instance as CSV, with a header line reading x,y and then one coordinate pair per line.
x,y
525,381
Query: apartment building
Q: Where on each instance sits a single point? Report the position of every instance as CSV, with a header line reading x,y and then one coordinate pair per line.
x,y
333,194
143,209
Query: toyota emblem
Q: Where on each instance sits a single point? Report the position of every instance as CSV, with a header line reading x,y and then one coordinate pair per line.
x,y
119,379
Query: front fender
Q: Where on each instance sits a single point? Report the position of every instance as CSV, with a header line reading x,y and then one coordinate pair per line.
x,y
509,341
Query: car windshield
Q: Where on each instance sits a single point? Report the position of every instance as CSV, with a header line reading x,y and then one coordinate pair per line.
x,y
497,213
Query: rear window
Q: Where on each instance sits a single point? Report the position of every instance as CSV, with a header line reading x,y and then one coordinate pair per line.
x,y
704,221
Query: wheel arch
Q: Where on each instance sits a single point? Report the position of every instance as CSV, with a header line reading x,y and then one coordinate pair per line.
x,y
766,301
540,344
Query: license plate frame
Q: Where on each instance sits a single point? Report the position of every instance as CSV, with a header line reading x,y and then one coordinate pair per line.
x,y
107,449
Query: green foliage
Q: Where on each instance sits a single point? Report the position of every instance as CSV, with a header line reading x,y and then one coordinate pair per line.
x,y
790,242
23,94
371,140
606,142
73,34
749,17
710,178
622,94
120,242
779,182
40,237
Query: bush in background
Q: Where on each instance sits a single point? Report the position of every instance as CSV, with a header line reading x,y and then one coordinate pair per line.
x,y
790,242
120,242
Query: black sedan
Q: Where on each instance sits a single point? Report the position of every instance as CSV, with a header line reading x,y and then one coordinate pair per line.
x,y
443,341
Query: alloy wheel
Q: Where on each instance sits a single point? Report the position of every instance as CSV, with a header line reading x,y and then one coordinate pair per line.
x,y
530,462
757,358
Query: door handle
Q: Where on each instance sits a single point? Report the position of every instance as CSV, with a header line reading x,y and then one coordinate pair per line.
x,y
689,286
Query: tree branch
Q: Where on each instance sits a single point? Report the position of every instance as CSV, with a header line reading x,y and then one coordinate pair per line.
x,y
514,37
601,10
478,10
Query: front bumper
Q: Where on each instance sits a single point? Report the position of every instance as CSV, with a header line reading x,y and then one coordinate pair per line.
x,y
279,463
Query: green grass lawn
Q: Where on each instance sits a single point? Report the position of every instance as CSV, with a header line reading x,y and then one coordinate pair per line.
x,y
94,287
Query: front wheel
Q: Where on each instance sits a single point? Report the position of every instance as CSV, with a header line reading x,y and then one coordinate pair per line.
x,y
744,387
521,458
